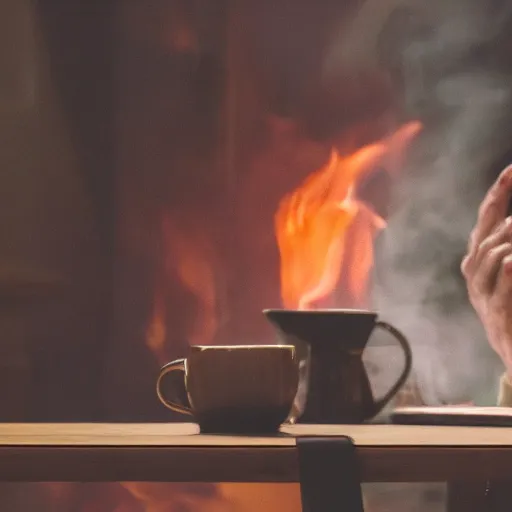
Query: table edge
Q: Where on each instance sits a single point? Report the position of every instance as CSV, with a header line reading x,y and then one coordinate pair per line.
x,y
241,464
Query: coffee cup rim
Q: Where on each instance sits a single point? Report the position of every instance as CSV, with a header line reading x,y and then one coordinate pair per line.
x,y
252,347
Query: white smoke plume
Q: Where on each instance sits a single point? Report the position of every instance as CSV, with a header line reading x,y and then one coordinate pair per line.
x,y
454,81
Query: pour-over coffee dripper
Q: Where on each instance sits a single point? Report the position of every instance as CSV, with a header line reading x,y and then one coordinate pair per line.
x,y
338,389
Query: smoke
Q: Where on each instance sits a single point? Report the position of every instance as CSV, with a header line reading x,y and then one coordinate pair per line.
x,y
427,235
451,61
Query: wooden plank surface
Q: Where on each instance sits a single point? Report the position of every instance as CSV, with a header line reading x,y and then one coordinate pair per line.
x,y
187,434
176,452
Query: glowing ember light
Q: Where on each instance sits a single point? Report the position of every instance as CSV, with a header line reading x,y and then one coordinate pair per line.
x,y
325,233
190,259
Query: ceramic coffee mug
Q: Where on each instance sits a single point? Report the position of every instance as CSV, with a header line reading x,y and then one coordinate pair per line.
x,y
233,389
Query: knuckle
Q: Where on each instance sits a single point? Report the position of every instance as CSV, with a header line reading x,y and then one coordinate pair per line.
x,y
500,251
504,228
494,252
485,247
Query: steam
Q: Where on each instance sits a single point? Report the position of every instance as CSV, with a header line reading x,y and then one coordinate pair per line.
x,y
454,82
427,236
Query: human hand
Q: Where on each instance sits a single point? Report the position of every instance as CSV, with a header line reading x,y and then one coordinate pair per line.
x,y
487,267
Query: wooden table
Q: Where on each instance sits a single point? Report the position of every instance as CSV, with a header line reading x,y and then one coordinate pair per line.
x,y
178,453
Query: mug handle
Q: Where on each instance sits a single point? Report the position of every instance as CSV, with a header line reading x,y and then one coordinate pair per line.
x,y
174,366
379,404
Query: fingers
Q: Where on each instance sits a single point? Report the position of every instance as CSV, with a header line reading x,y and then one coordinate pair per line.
x,y
492,209
498,308
501,302
504,283
502,234
485,278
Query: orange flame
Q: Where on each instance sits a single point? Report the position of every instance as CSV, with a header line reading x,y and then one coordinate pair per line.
x,y
325,233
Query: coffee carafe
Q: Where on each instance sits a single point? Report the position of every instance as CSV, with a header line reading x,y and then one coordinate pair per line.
x,y
332,342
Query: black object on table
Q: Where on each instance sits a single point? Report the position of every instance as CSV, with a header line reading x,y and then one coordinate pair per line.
x,y
329,475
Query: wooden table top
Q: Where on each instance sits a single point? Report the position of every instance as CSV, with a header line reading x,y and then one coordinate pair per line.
x,y
178,453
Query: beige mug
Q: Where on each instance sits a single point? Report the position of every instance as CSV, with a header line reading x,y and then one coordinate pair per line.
x,y
233,389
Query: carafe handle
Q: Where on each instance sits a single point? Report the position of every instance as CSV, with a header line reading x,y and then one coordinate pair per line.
x,y
402,340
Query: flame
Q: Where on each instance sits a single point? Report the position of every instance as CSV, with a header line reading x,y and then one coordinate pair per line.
x,y
189,258
325,233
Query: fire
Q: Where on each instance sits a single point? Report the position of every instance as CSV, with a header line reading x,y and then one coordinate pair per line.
x,y
325,233
189,258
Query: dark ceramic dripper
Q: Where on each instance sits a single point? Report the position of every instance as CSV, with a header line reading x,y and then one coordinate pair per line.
x,y
332,342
